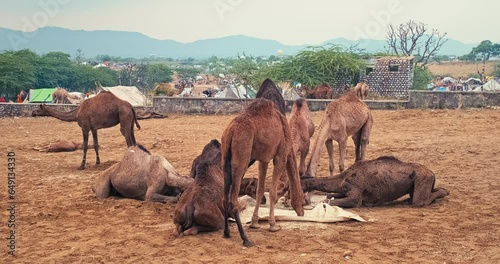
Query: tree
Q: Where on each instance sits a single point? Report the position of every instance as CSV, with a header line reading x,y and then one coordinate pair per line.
x,y
485,50
54,69
79,56
17,72
414,39
157,73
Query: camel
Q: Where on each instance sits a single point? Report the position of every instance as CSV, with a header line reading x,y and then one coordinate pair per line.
x,y
102,111
260,133
361,90
302,129
269,90
166,89
322,91
140,175
379,181
22,95
200,207
61,96
146,114
60,146
212,151
344,117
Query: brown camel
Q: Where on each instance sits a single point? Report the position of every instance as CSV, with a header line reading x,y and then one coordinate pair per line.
x,y
322,91
212,151
361,90
61,96
60,146
261,133
302,129
379,181
344,117
269,90
200,207
102,111
140,175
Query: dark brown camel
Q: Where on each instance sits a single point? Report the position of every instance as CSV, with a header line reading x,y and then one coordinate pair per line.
x,y
270,91
379,181
344,117
102,111
261,133
322,91
140,175
200,207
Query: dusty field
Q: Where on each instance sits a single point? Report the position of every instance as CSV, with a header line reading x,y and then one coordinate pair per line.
x,y
59,220
459,69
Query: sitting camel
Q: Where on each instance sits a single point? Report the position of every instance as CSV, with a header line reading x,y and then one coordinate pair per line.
x,y
61,96
361,90
166,89
344,117
102,111
322,91
140,175
200,207
60,146
260,133
379,181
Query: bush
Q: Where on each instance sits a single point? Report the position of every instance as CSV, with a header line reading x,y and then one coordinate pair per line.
x,y
421,78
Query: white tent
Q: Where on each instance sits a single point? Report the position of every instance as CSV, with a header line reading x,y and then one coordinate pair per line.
x,y
491,85
128,93
237,92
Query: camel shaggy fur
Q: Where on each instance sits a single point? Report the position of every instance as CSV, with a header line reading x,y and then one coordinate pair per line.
x,y
261,133
140,175
344,117
379,181
102,111
200,207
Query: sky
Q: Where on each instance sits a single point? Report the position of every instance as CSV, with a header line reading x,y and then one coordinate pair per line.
x,y
291,22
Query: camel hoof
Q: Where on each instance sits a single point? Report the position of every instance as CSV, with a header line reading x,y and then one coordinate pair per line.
x,y
275,228
255,225
248,243
81,167
226,233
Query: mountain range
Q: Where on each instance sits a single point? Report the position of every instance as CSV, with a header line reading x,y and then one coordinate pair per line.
x,y
138,45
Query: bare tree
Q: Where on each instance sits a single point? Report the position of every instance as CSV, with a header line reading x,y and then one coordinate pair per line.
x,y
414,39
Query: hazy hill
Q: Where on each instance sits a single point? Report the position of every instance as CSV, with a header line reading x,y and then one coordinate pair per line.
x,y
138,45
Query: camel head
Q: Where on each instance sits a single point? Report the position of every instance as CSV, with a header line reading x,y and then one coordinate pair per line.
x,y
40,112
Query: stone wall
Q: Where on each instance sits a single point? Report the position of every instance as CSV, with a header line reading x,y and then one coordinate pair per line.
x,y
391,77
211,106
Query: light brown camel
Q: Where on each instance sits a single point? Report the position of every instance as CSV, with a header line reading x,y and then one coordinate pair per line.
x,y
301,129
361,90
102,111
344,117
61,96
140,175
379,181
200,207
166,88
60,146
260,133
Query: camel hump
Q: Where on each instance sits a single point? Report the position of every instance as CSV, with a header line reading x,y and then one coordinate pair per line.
x,y
141,147
215,143
299,102
388,158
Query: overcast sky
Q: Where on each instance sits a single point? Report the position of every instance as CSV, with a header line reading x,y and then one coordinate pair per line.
x,y
288,21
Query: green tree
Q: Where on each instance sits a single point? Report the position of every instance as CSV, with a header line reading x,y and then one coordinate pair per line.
x,y
157,73
245,68
54,69
85,76
421,78
79,56
485,50
17,72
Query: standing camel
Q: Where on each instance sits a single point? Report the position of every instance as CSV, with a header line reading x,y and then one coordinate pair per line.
x,y
301,129
344,117
361,90
102,111
260,133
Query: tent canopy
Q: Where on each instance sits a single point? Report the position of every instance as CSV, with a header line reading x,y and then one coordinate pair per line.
x,y
42,95
128,93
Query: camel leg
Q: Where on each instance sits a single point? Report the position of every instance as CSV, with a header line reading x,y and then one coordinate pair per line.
x,y
295,191
365,137
357,144
128,132
260,193
102,187
96,146
312,166
279,168
424,192
352,199
343,150
329,148
302,164
85,147
156,197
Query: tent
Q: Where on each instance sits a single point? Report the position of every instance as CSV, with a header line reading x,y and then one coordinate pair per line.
x,y
42,95
491,85
237,92
128,93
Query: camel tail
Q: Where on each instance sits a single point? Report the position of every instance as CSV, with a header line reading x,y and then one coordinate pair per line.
x,y
299,102
135,119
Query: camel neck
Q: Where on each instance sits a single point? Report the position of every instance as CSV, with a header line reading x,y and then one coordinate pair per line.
x,y
69,116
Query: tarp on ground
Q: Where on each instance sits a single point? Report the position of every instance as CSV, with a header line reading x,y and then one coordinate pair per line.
x,y
41,95
128,93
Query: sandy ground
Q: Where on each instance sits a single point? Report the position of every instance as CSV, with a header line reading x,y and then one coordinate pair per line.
x,y
459,69
59,220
